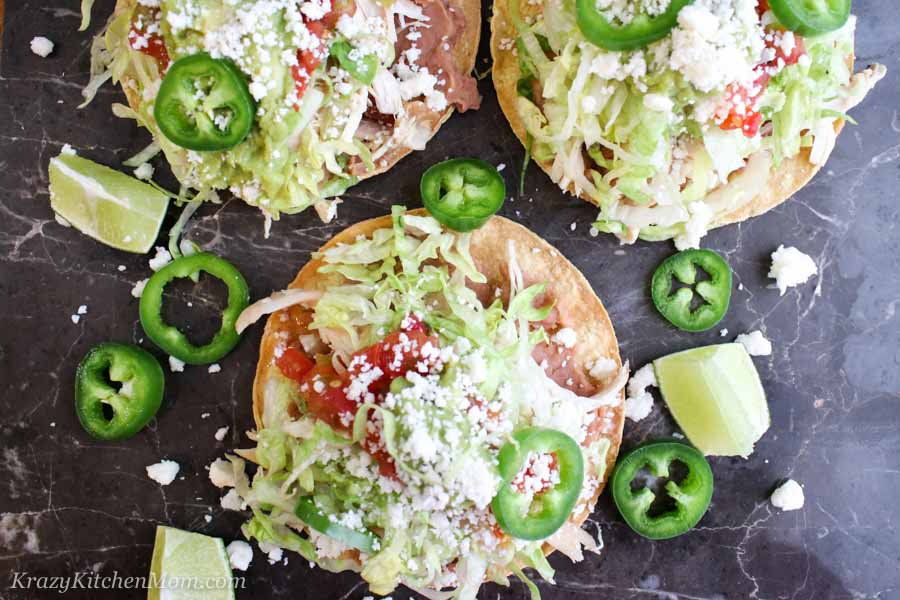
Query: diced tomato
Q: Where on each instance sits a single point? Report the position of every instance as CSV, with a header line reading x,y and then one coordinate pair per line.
x,y
397,354
308,60
743,101
376,450
151,44
762,7
326,398
326,392
294,364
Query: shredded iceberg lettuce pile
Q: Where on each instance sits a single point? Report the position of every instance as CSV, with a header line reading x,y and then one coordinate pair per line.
x,y
638,132
443,431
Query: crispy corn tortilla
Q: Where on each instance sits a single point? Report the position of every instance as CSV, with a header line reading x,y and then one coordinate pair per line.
x,y
464,52
576,304
791,175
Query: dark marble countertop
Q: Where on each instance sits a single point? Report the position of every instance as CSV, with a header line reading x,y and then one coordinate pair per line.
x,y
70,504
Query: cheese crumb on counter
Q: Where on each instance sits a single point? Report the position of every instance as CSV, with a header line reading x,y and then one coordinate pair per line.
x,y
221,473
788,496
161,259
639,402
163,472
214,368
232,501
755,343
175,365
790,268
41,46
138,288
240,555
221,432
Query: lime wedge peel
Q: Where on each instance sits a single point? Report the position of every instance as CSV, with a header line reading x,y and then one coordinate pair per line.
x,y
715,395
111,207
189,566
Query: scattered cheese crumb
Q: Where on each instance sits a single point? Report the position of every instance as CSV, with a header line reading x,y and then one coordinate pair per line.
x,y
144,171
723,332
214,368
221,432
207,518
75,319
163,472
161,259
275,555
232,501
790,267
67,149
501,166
82,310
755,343
221,473
122,268
204,416
639,402
788,496
41,46
177,366
565,337
138,288
240,555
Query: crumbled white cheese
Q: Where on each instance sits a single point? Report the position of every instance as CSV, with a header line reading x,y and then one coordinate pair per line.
x,y
696,226
791,267
602,368
788,496
566,336
41,46
175,365
144,171
659,102
639,402
240,555
221,473
214,368
755,343
723,332
138,288
275,555
221,432
232,501
161,259
75,319
68,149
163,472
82,310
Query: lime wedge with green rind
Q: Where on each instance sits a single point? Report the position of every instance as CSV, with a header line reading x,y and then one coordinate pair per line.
x,y
111,207
715,395
189,566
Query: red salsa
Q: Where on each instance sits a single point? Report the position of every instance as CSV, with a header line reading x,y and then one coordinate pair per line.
x,y
743,101
335,398
146,37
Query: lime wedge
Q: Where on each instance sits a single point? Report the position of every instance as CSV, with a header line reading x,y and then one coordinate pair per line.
x,y
715,395
109,206
189,566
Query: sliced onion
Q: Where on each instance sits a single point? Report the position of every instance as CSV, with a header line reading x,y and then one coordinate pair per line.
x,y
275,302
